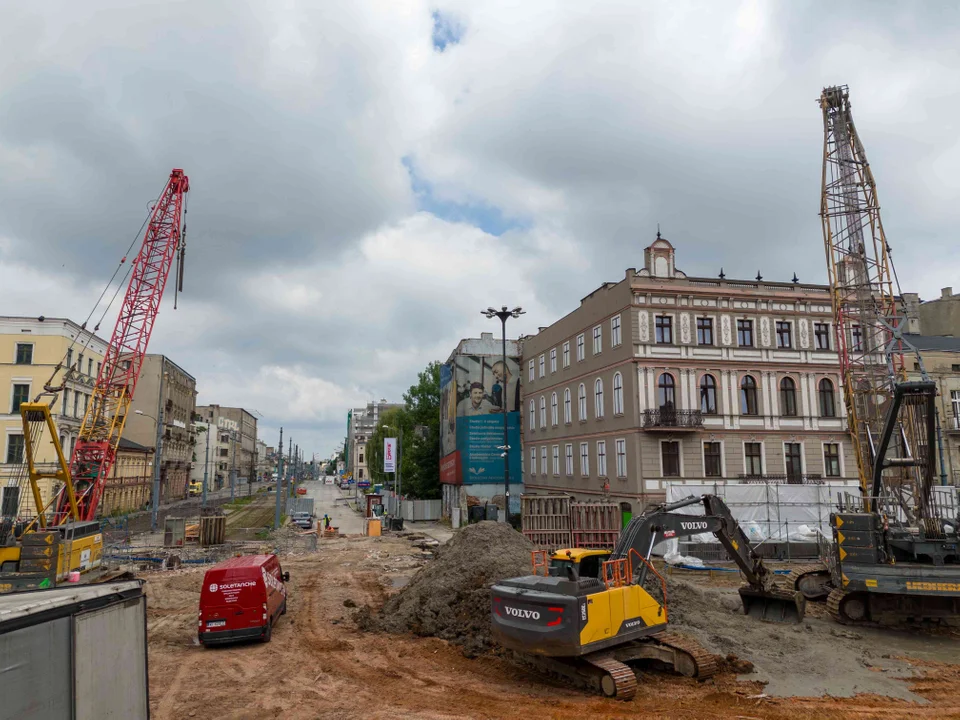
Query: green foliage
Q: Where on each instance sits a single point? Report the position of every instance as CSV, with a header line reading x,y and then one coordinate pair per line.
x,y
417,424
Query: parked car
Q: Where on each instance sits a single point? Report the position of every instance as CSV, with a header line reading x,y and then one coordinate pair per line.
x,y
241,599
302,519
301,491
196,488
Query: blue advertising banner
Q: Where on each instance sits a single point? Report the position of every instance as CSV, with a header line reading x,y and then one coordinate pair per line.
x,y
479,438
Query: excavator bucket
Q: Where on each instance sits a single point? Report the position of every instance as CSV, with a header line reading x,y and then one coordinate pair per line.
x,y
776,605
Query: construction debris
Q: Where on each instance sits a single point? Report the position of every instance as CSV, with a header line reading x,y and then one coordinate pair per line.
x,y
450,597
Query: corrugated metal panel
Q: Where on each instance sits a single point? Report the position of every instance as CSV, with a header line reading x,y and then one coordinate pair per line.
x,y
35,679
111,685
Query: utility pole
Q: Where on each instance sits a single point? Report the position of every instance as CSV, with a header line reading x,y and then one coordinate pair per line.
x,y
289,455
206,469
233,465
276,512
157,454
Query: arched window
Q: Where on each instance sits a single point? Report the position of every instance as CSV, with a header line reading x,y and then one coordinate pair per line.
x,y
788,397
543,411
566,405
582,402
748,396
533,415
708,395
598,398
667,392
618,394
553,409
828,407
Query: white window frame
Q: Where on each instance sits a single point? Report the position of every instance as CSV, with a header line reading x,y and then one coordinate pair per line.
x,y
533,460
679,458
763,456
543,459
723,458
566,354
543,411
615,336
6,447
581,348
554,410
582,403
601,458
776,335
533,414
620,444
585,459
823,457
567,407
955,404
568,459
553,360
598,339
598,397
543,365
19,381
829,337
556,460
617,394
531,370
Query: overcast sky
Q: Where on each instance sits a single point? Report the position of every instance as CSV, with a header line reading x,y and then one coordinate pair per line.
x,y
366,176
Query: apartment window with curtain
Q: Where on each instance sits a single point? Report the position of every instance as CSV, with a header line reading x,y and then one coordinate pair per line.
x,y
828,407
664,329
831,459
788,397
584,459
533,415
753,459
745,333
711,459
533,461
553,410
621,446
704,331
784,335
708,395
617,394
602,458
615,331
567,410
581,353
670,457
530,371
553,360
598,340
748,396
543,411
821,336
556,459
955,403
581,403
566,354
543,365
666,392
543,460
568,457
598,398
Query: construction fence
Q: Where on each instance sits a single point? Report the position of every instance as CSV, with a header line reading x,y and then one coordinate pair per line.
x,y
411,510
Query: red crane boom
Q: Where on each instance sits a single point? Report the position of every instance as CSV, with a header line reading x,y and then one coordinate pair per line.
x,y
96,447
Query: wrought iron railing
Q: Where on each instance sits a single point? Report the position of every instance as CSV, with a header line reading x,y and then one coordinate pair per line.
x,y
673,419
788,479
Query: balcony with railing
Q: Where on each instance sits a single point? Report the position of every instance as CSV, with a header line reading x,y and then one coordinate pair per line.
x,y
672,420
788,479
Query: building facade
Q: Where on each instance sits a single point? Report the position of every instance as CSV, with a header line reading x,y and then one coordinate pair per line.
x,y
165,385
940,316
662,378
475,387
130,484
235,447
361,423
35,352
941,360
205,459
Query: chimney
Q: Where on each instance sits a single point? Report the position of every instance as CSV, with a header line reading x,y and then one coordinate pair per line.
x,y
946,293
486,336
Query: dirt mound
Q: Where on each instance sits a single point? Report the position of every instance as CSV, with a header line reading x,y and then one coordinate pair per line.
x,y
450,597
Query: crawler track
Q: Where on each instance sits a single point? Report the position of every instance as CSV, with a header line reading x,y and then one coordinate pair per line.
x,y
805,579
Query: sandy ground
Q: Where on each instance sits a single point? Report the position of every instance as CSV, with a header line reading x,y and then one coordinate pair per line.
x,y
318,664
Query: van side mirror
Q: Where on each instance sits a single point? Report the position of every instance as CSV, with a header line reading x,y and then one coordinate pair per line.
x,y
286,577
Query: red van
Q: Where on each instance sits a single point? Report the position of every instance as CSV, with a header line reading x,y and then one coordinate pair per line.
x,y
241,599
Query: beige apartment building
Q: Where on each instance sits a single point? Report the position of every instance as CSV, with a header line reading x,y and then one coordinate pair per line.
x,y
130,483
662,378
164,384
30,350
233,444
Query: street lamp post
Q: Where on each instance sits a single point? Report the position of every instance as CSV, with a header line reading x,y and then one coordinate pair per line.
x,y
206,469
504,314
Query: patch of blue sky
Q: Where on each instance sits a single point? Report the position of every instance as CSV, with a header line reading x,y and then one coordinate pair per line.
x,y
447,31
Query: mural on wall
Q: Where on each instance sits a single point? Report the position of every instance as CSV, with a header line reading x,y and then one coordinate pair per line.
x,y
479,386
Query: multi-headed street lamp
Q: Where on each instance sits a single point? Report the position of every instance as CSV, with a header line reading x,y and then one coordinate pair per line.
x,y
504,314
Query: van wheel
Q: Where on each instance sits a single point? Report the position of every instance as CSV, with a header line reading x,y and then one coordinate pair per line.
x,y
268,632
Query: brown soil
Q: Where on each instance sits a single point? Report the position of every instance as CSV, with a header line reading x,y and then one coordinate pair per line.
x,y
319,665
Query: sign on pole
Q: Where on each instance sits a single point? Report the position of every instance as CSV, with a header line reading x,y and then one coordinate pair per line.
x,y
389,455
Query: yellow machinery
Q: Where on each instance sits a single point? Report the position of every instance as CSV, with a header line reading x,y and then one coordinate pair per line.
x,y
37,554
588,615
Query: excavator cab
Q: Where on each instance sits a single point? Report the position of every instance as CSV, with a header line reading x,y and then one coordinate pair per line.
x,y
576,563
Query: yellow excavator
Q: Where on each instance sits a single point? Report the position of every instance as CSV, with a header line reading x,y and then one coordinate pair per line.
x,y
588,616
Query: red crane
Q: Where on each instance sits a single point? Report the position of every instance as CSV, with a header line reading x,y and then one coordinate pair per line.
x,y
99,435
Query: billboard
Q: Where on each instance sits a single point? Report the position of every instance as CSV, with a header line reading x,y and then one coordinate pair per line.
x,y
474,390
389,455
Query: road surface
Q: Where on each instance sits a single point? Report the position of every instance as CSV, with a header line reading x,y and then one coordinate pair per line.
x,y
327,500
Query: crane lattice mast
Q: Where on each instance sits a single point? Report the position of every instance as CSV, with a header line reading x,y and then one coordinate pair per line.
x,y
99,435
860,270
